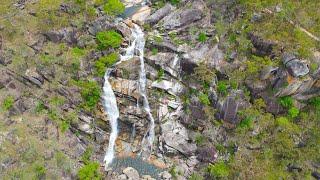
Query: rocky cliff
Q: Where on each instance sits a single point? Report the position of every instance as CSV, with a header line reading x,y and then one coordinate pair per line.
x,y
233,88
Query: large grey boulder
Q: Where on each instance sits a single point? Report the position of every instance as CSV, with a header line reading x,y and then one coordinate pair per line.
x,y
176,139
172,87
34,77
131,173
169,62
181,18
295,67
159,14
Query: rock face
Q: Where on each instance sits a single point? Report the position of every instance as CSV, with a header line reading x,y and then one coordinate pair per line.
x,y
181,17
169,62
131,173
207,154
229,107
141,15
175,138
32,76
159,14
295,67
262,47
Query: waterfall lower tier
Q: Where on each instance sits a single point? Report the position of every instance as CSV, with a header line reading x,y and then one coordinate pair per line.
x,y
111,108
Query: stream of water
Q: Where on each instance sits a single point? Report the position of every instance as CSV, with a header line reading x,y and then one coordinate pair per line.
x,y
110,101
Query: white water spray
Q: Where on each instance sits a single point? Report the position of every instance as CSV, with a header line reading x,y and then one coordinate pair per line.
x,y
111,107
139,36
110,101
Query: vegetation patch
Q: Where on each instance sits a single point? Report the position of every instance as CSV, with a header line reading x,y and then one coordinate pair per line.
x,y
114,7
90,92
108,39
218,170
7,103
105,62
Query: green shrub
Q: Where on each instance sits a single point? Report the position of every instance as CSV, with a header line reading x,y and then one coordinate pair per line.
x,y
90,93
200,139
64,125
90,172
222,87
173,171
108,39
293,112
40,171
256,63
315,102
7,103
154,51
195,176
202,37
204,74
114,7
40,107
204,98
247,123
160,74
286,101
87,155
218,170
174,2
105,61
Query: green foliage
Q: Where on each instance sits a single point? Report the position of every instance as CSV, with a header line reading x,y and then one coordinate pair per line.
x,y
202,37
108,39
174,2
7,103
315,102
255,64
293,112
218,170
222,87
40,171
90,92
114,7
105,61
200,139
173,172
204,98
282,122
247,123
87,155
90,172
64,125
154,51
286,101
39,107
160,74
195,176
203,74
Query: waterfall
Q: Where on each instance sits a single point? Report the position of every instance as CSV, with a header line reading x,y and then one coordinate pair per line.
x,y
139,36
111,108
110,105
110,101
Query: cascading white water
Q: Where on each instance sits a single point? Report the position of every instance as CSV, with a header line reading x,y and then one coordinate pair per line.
x,y
110,101
111,107
139,36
